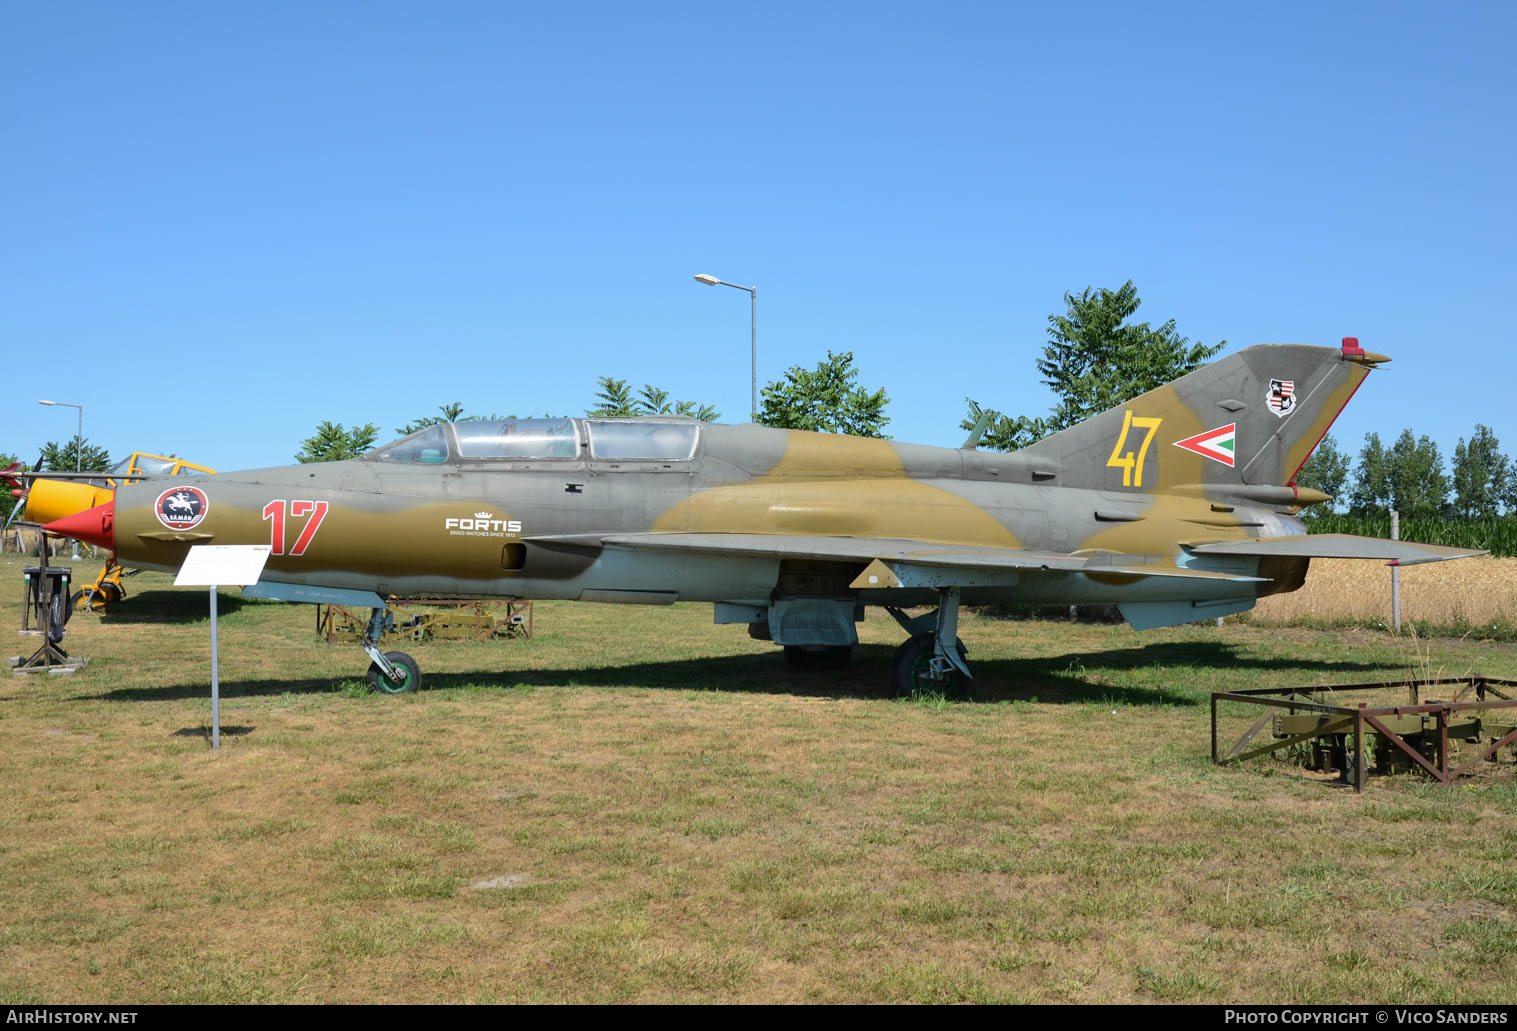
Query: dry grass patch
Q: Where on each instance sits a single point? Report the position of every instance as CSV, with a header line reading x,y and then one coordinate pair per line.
x,y
1477,591
640,806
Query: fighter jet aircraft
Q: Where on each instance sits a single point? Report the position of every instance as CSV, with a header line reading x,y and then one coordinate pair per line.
x,y
1177,506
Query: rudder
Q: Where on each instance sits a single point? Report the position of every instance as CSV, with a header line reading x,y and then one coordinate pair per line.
x,y
1252,418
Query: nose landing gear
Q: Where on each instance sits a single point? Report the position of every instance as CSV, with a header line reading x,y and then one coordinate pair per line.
x,y
390,672
401,663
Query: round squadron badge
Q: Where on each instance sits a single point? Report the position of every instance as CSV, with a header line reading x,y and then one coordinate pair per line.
x,y
180,508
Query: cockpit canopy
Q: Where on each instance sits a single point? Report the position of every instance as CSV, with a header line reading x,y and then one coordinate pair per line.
x,y
610,440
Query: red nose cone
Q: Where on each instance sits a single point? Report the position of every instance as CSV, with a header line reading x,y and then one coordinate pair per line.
x,y
95,526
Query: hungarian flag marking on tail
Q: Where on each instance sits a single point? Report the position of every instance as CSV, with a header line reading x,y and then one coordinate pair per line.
x,y
1215,444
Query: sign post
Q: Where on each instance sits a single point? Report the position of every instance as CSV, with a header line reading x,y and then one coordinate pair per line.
x,y
211,565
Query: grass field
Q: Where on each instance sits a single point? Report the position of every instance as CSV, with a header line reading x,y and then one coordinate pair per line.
x,y
638,805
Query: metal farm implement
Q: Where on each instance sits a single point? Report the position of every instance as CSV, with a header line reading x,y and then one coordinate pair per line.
x,y
1473,714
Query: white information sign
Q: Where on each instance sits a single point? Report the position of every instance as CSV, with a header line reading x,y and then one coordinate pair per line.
x,y
214,565
211,565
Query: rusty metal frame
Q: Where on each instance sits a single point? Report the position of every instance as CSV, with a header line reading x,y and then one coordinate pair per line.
x,y
1360,715
327,616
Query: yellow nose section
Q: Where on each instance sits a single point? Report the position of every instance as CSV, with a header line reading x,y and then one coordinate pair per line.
x,y
51,500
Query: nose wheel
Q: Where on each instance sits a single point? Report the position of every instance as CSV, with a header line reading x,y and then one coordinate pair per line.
x,y
407,680
390,672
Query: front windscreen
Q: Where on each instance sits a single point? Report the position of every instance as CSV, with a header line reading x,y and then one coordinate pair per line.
x,y
424,447
517,438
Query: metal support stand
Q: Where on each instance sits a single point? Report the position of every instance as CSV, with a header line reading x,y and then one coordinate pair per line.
x,y
215,679
39,600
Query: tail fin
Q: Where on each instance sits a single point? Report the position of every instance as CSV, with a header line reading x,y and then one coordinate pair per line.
x,y
1250,419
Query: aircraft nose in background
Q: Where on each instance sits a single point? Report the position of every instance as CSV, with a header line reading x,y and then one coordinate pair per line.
x,y
95,526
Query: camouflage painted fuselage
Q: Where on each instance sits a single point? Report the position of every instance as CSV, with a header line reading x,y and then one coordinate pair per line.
x,y
1131,484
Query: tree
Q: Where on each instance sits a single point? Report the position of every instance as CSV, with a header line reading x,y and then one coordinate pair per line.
x,y
616,401
332,443
1003,433
1419,486
1326,470
1095,360
1483,476
825,399
1408,477
449,414
77,453
1372,479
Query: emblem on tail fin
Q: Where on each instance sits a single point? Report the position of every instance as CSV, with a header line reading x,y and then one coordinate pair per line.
x,y
1218,444
1282,397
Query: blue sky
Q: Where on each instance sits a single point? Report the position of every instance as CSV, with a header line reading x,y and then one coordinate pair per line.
x,y
225,223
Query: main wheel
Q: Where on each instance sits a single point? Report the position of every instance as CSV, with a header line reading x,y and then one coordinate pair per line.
x,y
831,657
911,669
91,600
410,675
58,617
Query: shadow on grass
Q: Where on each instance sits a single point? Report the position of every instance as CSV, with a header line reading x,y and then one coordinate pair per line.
x,y
205,732
1189,671
170,607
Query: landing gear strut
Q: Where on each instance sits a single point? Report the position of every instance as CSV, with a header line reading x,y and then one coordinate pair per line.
x,y
926,663
390,672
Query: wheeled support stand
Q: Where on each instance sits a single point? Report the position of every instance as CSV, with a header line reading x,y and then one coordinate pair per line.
x,y
928,662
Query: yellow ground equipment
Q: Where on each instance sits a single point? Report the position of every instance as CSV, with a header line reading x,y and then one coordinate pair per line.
x,y
49,500
421,619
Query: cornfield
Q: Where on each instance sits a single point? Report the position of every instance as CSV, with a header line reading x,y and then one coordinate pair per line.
x,y
1498,536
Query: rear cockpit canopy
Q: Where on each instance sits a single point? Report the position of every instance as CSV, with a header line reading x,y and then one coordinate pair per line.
x,y
644,439
652,439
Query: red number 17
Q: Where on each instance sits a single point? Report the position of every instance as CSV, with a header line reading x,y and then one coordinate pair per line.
x,y
275,511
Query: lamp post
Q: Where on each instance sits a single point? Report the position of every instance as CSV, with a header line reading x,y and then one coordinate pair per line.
x,y
78,444
753,296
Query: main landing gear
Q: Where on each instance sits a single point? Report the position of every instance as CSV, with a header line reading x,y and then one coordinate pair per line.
x,y
925,664
390,672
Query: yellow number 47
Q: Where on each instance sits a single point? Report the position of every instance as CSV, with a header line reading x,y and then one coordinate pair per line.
x,y
1132,467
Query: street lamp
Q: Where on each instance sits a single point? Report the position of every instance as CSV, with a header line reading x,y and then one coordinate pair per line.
x,y
753,295
78,444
